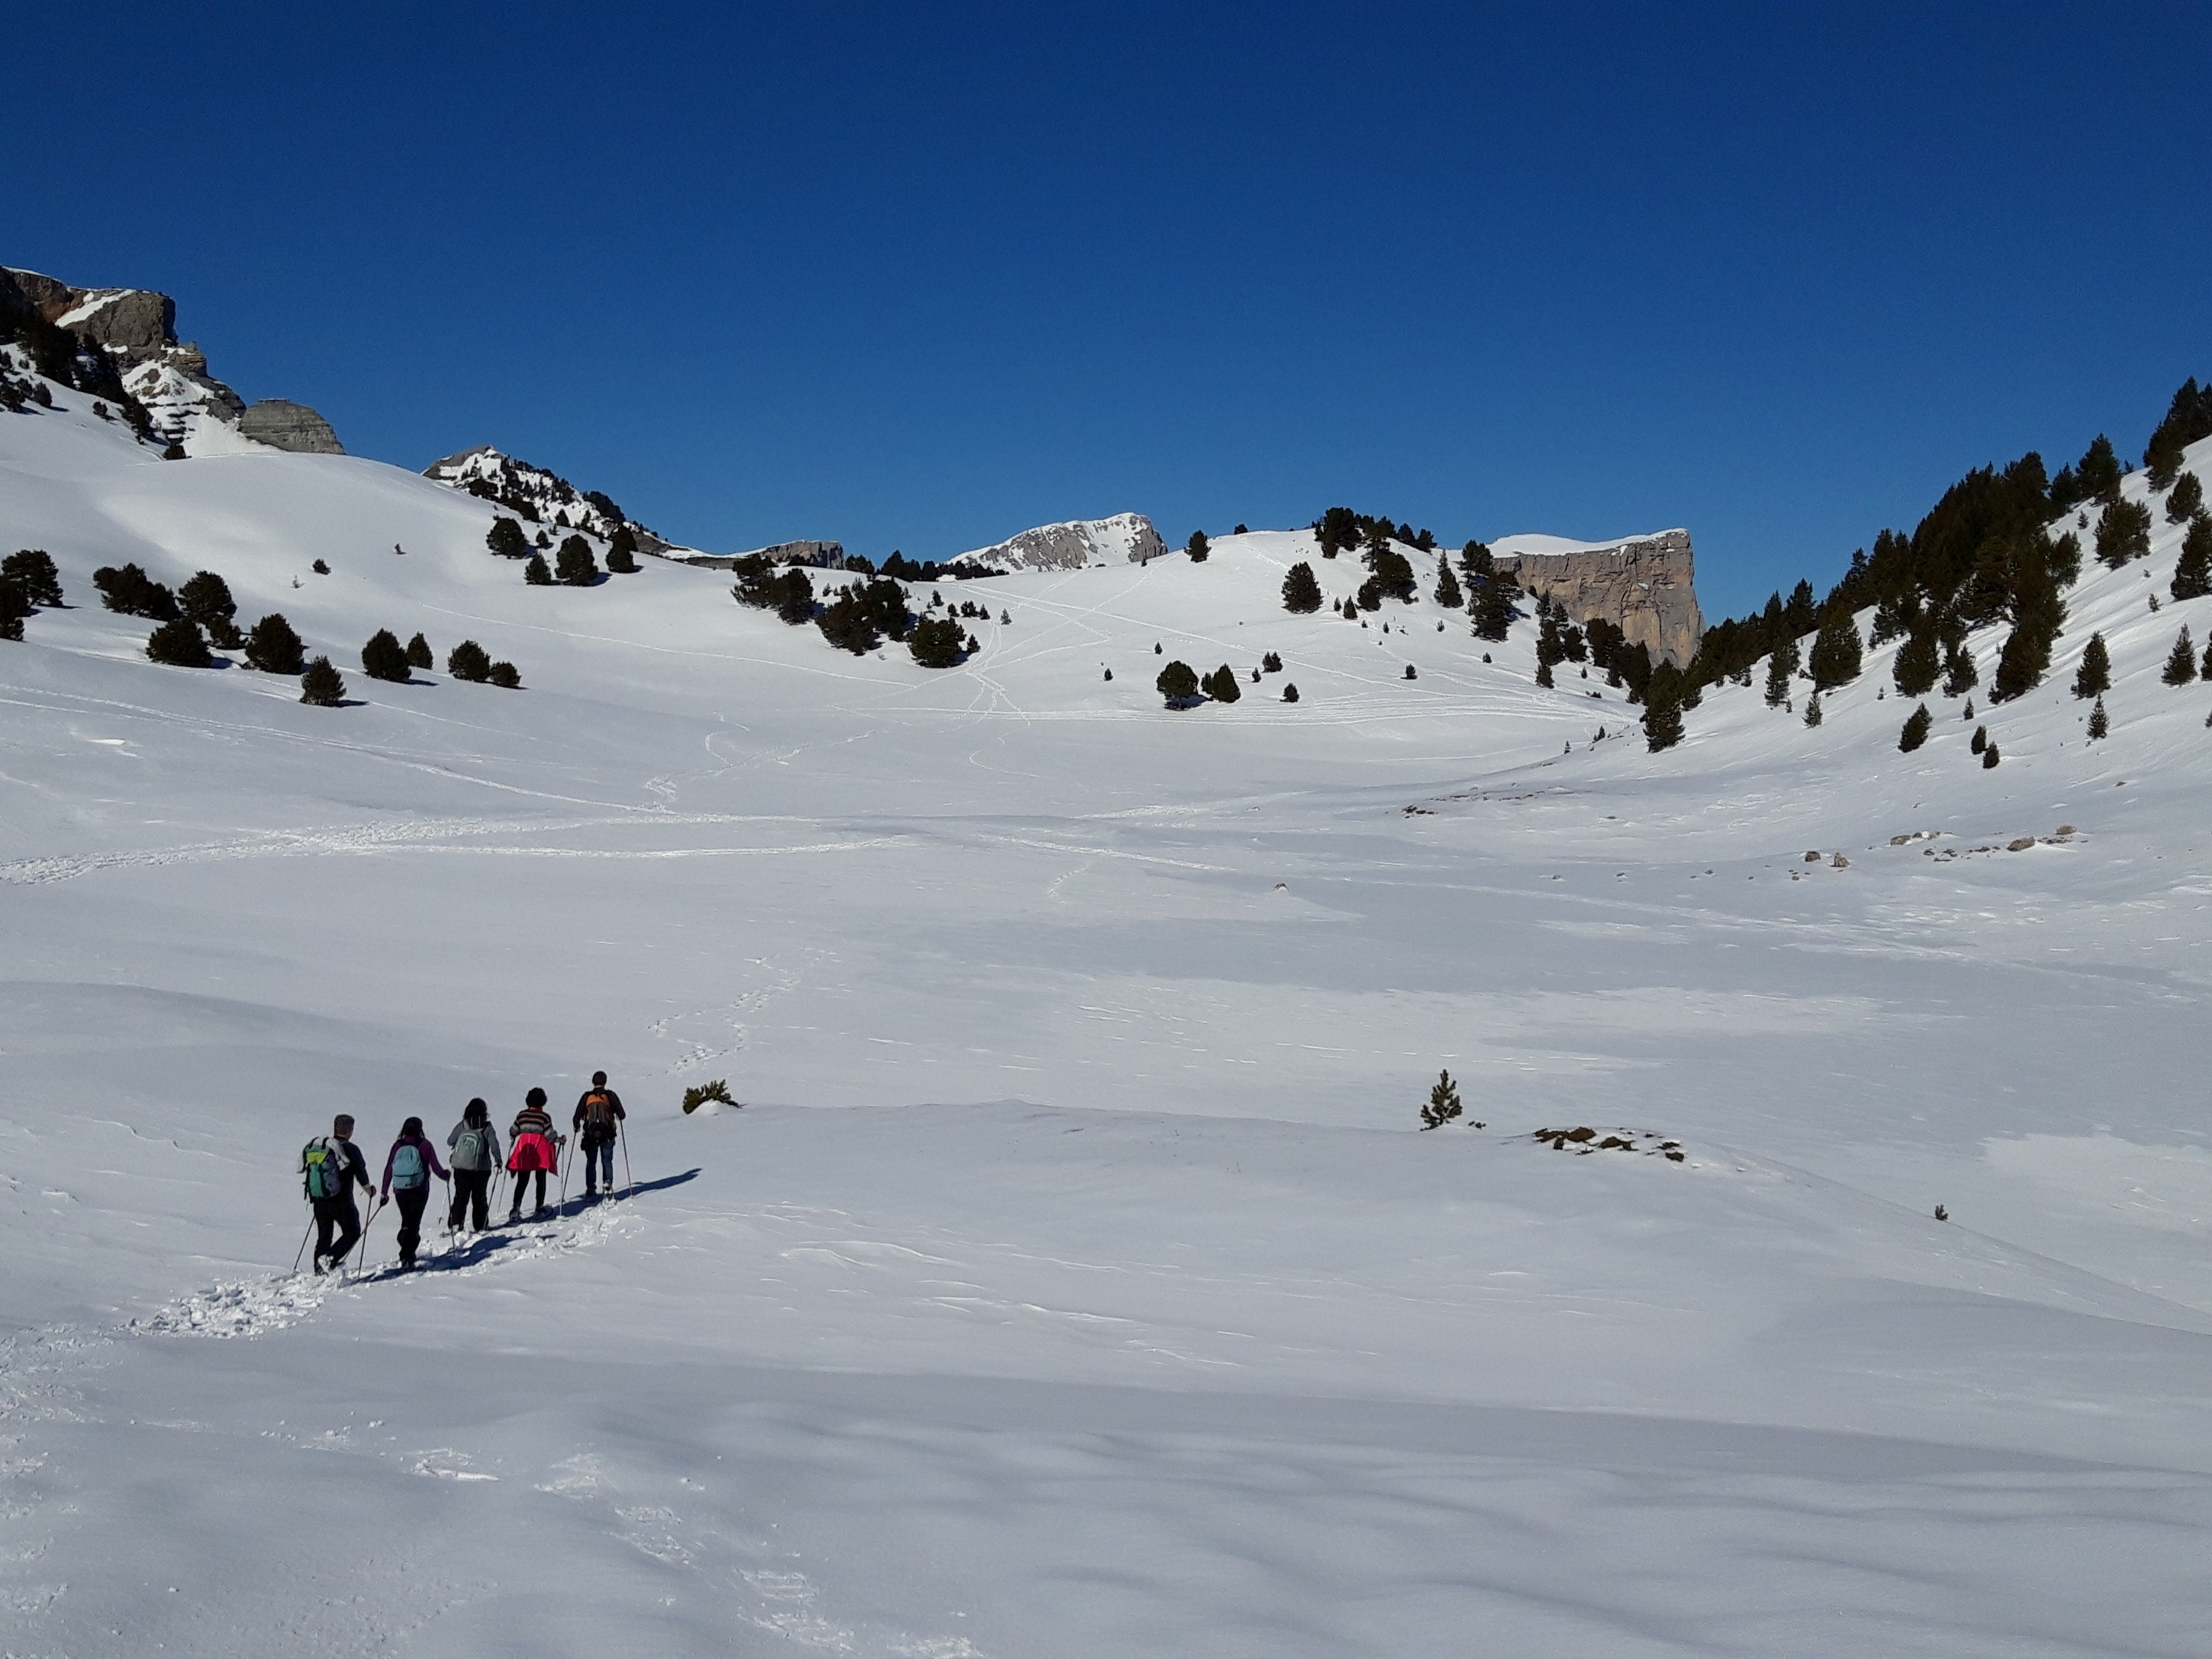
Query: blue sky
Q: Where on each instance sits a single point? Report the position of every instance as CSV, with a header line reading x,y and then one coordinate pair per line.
x,y
920,277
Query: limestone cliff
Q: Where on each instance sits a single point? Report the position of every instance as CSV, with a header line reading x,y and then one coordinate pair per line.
x,y
1641,584
1125,538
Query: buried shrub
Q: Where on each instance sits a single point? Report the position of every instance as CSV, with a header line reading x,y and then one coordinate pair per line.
x,y
699,1093
273,648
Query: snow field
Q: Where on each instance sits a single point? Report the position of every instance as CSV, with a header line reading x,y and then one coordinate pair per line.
x,y
1116,1305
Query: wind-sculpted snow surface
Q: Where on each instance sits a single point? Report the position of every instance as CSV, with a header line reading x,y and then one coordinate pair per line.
x,y
1076,1277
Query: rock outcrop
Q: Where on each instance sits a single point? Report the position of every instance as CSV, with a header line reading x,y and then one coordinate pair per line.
x,y
1641,584
136,329
539,497
290,426
1125,538
820,556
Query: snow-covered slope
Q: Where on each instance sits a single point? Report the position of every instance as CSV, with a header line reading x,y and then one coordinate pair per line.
x,y
540,497
1122,1308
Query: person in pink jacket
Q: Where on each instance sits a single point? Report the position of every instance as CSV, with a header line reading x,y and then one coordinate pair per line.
x,y
408,1168
532,1146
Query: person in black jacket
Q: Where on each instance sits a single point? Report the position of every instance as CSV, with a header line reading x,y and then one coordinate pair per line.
x,y
598,1109
476,1157
331,1165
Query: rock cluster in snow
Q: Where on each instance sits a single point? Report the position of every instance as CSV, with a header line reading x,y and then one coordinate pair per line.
x,y
284,425
1125,538
1641,584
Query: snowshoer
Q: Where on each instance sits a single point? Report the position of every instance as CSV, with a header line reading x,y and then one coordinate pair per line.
x,y
329,1166
408,1168
474,1144
598,1111
532,1146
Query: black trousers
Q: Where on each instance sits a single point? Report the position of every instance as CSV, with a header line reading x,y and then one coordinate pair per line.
x,y
336,1214
412,1201
522,1179
471,1188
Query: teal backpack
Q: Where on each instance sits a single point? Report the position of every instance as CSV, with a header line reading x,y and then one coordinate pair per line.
x,y
324,1166
408,1170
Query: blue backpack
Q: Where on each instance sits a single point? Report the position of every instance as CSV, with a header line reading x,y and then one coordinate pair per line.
x,y
408,1170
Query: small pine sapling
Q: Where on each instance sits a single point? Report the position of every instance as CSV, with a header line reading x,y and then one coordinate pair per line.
x,y
322,686
2101,725
1444,1102
1980,740
1917,725
535,574
506,677
1411,673
1990,757
418,653
2181,661
468,661
1197,547
1813,715
1289,692
321,568
2095,677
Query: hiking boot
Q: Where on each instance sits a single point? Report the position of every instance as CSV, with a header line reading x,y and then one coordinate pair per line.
x,y
514,1216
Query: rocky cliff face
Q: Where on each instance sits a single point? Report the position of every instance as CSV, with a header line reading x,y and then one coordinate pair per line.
x,y
1642,585
294,427
136,329
1125,538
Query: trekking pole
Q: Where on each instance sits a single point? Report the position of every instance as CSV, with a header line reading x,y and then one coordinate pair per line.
x,y
375,1209
304,1237
558,1145
629,1181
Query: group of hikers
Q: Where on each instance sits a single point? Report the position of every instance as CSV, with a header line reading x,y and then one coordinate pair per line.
x,y
331,1166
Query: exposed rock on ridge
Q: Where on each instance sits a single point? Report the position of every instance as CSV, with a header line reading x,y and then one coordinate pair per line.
x,y
537,496
136,330
1125,538
290,426
1642,585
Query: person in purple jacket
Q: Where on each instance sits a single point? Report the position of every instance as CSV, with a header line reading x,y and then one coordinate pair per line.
x,y
408,1168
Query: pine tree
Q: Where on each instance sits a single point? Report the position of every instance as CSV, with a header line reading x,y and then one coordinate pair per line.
x,y
1979,741
2181,661
322,685
506,677
535,574
1448,592
1289,692
129,591
384,657
622,551
1178,684
1813,716
1989,757
937,642
1225,688
2122,533
14,607
272,647
1917,666
206,599
1662,724
2095,677
470,662
1960,674
1410,672
2185,500
32,570
573,564
1915,734
505,539
1444,1102
418,653
1543,675
2193,571
1493,605
2099,726
1197,547
1301,591
1836,651
178,644
1781,669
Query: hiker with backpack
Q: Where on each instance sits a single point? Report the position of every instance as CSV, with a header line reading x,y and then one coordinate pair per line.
x,y
599,1113
532,1145
474,1145
408,1168
329,1166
